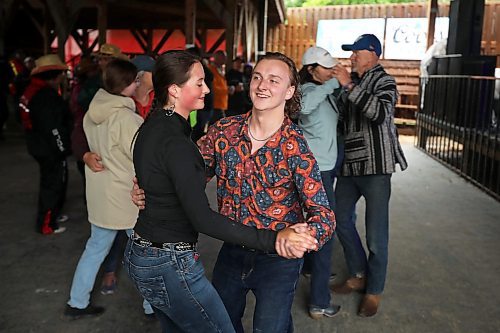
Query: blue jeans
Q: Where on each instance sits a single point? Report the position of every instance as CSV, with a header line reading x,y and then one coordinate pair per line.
x,y
96,249
110,264
319,262
376,189
271,278
174,283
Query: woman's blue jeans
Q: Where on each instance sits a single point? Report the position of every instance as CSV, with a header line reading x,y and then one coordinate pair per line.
x,y
376,189
271,278
318,263
174,283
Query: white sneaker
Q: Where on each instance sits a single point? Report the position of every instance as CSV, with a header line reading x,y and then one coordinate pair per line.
x,y
59,230
62,218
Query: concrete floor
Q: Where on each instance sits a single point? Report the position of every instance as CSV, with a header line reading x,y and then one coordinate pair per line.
x,y
443,269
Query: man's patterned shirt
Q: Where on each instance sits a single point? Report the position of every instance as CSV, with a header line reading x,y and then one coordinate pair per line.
x,y
270,188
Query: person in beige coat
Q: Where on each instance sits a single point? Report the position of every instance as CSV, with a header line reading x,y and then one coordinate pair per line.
x,y
110,125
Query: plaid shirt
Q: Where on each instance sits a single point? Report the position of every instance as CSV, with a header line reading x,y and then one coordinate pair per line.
x,y
267,189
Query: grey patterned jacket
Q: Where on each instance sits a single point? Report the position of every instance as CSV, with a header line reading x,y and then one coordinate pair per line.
x,y
371,139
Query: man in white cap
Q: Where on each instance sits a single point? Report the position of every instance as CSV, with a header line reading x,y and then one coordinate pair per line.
x,y
46,120
372,151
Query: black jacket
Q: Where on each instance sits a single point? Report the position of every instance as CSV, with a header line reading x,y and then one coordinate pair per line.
x,y
51,121
171,171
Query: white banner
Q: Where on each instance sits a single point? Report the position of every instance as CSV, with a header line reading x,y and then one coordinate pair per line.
x,y
405,38
333,33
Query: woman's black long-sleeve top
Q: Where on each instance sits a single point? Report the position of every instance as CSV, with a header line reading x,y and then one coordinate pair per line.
x,y
171,170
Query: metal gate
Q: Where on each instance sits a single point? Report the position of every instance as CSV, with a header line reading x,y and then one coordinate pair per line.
x,y
458,125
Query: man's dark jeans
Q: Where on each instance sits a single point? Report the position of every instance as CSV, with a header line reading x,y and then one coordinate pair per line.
x,y
376,189
271,278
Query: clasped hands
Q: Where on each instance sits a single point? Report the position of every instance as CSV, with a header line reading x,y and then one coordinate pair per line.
x,y
292,242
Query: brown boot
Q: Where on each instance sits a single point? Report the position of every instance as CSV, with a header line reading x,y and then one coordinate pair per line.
x,y
369,305
351,284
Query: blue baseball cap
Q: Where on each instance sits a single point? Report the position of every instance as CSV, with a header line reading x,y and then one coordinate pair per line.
x,y
365,42
143,63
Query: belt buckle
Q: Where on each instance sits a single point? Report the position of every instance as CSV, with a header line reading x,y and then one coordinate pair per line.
x,y
143,242
181,246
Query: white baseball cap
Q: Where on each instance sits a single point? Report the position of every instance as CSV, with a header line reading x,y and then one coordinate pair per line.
x,y
320,56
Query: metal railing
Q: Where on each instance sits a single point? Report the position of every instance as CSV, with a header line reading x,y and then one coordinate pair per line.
x,y
458,125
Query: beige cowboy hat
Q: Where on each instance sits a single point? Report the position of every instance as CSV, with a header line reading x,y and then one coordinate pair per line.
x,y
49,62
110,50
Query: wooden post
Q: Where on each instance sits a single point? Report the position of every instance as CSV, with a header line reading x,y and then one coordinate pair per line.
x,y
432,11
262,27
190,28
102,21
229,26
149,41
46,31
7,9
64,19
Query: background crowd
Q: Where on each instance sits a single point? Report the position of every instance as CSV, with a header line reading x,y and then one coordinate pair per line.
x,y
345,118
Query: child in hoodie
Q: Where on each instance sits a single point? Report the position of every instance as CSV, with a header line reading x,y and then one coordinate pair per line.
x,y
110,125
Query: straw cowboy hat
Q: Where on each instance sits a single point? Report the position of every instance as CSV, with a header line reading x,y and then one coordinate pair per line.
x,y
49,62
109,50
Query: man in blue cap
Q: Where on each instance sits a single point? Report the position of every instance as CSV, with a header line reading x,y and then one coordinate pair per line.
x,y
372,151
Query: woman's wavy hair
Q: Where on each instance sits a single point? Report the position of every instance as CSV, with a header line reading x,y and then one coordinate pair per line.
x,y
292,106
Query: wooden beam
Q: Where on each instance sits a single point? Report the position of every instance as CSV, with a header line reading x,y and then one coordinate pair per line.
x,y
47,34
102,21
279,8
218,9
432,11
203,42
190,27
143,34
161,10
149,41
92,46
78,39
64,18
163,40
217,43
57,11
139,39
230,47
262,27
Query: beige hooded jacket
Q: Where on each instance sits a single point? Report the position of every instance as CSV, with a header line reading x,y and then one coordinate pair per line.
x,y
110,125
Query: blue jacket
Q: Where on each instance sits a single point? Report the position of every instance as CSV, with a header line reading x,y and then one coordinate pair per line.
x,y
318,120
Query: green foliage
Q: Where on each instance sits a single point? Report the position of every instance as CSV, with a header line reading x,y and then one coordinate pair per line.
x,y
316,3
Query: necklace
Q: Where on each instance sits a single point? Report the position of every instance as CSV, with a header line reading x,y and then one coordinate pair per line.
x,y
265,139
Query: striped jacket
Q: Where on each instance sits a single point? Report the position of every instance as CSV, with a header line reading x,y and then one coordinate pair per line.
x,y
371,138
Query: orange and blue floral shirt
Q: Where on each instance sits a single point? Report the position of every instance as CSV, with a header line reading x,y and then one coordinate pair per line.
x,y
270,188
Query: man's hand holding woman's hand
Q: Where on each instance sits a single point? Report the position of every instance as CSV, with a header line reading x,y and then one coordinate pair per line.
x,y
293,241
